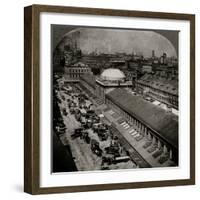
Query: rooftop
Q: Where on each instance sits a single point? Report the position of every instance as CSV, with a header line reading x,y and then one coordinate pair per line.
x,y
160,83
109,83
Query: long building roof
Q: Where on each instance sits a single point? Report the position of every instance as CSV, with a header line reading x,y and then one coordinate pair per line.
x,y
161,121
160,83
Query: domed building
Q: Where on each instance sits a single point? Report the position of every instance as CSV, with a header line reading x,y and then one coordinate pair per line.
x,y
112,74
110,79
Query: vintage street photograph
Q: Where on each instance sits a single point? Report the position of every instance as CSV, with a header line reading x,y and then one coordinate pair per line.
x,y
115,99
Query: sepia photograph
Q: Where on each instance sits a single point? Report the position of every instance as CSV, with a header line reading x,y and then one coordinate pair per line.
x,y
115,98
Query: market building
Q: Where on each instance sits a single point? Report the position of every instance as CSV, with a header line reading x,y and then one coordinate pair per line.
x,y
152,122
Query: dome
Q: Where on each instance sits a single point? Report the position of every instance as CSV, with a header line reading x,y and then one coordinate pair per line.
x,y
112,74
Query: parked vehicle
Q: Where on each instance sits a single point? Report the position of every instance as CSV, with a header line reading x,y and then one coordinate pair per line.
x,y
91,112
103,135
89,123
96,119
107,159
86,137
63,98
65,112
113,149
96,126
121,159
95,148
72,111
77,133
105,168
60,129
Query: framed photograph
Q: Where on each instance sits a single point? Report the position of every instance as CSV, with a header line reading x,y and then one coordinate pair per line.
x,y
109,99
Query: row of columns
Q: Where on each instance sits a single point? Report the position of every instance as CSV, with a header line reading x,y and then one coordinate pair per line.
x,y
148,134
143,130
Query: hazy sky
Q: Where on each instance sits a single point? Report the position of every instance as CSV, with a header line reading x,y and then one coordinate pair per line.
x,y
119,40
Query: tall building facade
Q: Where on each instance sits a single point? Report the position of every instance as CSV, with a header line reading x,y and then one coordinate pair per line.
x,y
74,72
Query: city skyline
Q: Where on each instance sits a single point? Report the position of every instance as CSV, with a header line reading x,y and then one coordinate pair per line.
x,y
112,41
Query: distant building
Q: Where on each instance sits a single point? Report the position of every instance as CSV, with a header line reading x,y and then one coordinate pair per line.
x,y
74,72
146,69
162,89
163,59
118,63
135,66
96,62
68,55
153,54
130,74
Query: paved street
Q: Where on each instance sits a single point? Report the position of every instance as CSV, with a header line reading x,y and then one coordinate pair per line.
x,y
84,158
